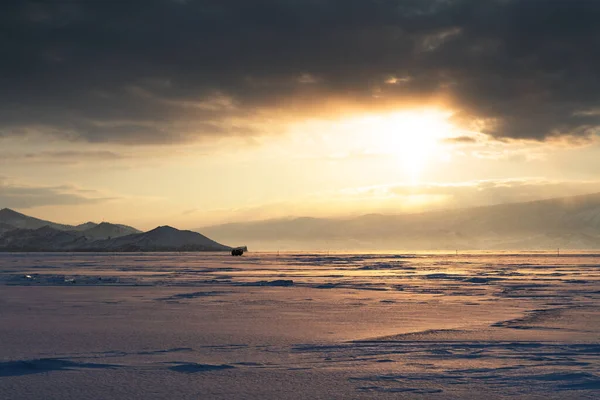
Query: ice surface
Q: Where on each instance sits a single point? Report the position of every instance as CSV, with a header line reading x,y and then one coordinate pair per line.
x,y
299,326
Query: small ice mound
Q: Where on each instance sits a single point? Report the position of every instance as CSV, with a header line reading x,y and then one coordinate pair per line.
x,y
570,380
420,335
43,365
478,280
328,285
279,283
443,276
582,381
384,266
249,364
392,384
24,367
65,280
533,319
193,295
193,368
577,281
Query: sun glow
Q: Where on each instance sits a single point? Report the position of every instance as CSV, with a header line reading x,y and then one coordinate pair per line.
x,y
411,136
365,148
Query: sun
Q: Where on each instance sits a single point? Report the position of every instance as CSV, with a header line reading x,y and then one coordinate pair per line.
x,y
394,145
413,137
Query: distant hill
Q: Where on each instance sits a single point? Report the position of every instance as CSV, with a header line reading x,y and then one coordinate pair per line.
x,y
45,238
19,232
163,238
106,230
18,220
5,228
569,223
91,230
85,226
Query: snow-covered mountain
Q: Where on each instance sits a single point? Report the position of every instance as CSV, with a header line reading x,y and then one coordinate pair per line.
x,y
5,228
570,223
107,230
91,230
45,238
85,226
163,238
19,232
18,220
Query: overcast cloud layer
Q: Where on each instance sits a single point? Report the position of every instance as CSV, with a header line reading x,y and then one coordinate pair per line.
x,y
168,71
22,196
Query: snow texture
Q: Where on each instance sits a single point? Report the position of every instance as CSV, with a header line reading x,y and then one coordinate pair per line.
x,y
299,326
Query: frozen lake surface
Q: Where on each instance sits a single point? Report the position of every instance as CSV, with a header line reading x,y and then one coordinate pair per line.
x,y
299,326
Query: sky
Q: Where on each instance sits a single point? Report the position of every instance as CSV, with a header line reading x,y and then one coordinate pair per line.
x,y
193,113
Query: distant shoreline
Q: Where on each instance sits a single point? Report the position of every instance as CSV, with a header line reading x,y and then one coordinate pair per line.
x,y
112,251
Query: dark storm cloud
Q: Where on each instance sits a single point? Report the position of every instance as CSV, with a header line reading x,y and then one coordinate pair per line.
x,y
162,71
